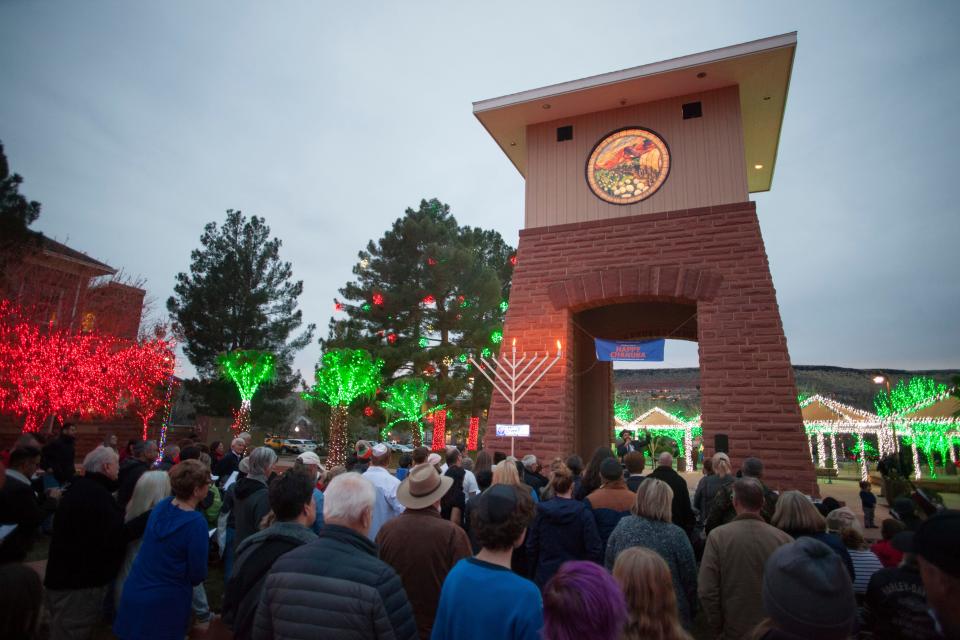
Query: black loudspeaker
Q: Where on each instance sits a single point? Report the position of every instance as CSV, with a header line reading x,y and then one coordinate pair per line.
x,y
721,443
692,110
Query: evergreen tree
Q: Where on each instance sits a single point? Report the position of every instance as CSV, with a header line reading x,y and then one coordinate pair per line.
x,y
16,215
239,294
428,294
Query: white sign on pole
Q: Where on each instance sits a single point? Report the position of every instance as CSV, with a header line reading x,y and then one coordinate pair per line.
x,y
513,430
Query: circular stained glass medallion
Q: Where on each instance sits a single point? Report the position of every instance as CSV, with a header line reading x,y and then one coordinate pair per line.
x,y
628,166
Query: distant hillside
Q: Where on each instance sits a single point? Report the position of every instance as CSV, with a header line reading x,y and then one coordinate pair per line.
x,y
680,388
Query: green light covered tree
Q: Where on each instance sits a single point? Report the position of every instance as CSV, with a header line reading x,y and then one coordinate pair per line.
x,y
929,437
344,375
248,369
906,395
623,410
674,434
404,402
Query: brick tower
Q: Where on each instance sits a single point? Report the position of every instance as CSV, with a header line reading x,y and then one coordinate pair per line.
x,y
638,224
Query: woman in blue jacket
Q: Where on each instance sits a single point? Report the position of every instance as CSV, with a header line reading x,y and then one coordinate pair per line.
x,y
563,529
172,559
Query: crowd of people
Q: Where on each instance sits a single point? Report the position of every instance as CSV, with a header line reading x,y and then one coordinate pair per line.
x,y
449,546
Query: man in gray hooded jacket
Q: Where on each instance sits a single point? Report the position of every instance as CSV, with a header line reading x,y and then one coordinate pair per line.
x,y
251,500
294,510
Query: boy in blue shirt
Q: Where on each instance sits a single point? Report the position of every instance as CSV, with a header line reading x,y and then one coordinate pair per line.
x,y
869,503
481,597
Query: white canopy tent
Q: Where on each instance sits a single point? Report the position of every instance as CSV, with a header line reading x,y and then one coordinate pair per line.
x,y
825,417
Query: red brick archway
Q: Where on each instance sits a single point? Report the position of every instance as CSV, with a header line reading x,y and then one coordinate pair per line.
x,y
710,261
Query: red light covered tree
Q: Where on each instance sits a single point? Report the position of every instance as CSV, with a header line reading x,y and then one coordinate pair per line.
x,y
143,370
439,442
473,433
50,372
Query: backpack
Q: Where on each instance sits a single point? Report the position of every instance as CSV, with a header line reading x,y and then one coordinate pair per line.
x,y
212,513
454,497
721,509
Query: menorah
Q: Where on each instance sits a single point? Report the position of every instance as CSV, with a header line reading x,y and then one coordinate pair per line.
x,y
512,377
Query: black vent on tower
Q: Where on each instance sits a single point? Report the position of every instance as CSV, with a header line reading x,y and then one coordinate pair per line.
x,y
692,110
565,133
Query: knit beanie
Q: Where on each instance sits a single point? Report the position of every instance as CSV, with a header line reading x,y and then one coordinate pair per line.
x,y
807,591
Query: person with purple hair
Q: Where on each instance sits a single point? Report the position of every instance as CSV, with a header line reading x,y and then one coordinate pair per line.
x,y
582,600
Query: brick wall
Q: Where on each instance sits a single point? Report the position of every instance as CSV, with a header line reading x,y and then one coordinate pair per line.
x,y
47,294
712,259
115,309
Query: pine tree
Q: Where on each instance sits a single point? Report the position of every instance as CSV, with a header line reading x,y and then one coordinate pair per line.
x,y
16,215
428,294
239,294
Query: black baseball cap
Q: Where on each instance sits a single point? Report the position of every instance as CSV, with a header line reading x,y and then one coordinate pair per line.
x,y
936,540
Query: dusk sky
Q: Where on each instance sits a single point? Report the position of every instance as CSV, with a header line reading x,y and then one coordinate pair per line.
x,y
137,123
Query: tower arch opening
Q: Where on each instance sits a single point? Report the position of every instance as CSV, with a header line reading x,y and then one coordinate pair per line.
x,y
640,319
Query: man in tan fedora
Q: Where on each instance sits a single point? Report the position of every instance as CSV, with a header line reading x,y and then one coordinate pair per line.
x,y
421,546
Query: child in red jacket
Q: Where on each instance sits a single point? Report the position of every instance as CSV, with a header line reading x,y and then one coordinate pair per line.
x,y
889,557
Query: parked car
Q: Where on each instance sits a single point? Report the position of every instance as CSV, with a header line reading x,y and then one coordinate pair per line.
x,y
400,448
290,445
296,445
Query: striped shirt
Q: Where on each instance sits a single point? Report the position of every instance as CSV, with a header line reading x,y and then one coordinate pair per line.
x,y
865,564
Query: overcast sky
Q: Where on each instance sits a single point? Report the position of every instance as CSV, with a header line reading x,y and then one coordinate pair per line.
x,y
136,123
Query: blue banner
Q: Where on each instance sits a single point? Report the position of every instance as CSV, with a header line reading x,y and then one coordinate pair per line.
x,y
629,350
